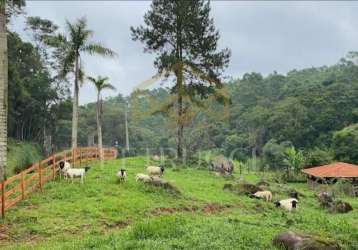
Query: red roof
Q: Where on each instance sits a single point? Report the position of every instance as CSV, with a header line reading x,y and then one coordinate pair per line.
x,y
337,169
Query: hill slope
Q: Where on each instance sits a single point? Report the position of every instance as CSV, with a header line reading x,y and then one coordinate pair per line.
x,y
103,214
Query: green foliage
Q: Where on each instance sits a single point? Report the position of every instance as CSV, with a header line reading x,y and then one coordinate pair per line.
x,y
294,159
345,144
31,91
20,156
317,157
274,153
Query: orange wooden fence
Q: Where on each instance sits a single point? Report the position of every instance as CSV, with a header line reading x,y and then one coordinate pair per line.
x,y
18,187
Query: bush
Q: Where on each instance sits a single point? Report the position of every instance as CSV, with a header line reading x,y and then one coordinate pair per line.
x,y
345,144
20,156
317,157
274,153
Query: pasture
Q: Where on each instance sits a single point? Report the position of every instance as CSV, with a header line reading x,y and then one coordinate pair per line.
x,y
104,214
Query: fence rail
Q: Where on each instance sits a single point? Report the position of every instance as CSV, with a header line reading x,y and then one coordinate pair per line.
x,y
18,187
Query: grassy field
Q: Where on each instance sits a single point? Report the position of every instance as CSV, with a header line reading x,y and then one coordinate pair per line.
x,y
103,214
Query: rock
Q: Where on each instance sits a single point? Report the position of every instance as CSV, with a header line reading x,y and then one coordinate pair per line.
x,y
294,241
325,199
159,182
222,165
340,207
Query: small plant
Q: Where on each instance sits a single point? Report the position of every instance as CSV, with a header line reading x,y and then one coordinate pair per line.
x,y
294,161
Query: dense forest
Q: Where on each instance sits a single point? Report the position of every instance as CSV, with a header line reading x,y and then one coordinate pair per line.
x,y
312,109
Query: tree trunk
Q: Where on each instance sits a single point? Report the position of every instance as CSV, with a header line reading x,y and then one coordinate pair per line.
x,y
126,128
3,93
99,129
180,112
75,105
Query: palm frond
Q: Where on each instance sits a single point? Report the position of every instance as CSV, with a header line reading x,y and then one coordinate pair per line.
x,y
97,48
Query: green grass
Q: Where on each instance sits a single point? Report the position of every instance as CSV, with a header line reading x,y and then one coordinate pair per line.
x,y
103,214
20,155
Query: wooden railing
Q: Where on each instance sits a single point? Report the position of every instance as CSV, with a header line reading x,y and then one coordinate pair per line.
x,y
18,187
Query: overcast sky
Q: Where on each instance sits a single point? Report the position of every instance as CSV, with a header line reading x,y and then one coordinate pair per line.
x,y
263,36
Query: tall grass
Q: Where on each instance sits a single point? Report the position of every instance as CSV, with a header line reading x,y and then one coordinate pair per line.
x,y
20,156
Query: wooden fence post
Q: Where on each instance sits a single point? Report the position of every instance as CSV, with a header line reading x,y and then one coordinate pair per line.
x,y
80,157
53,167
3,199
22,185
40,175
73,157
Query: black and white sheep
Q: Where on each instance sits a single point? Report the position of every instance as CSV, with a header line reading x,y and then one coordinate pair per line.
x,y
64,166
76,173
155,171
122,175
288,204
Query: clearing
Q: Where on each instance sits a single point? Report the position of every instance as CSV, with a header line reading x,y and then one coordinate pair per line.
x,y
103,214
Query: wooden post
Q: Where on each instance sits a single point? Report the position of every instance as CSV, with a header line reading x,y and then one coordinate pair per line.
x,y
3,199
40,175
22,185
73,157
53,167
80,158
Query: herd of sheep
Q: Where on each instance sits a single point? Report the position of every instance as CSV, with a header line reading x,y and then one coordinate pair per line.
x,y
289,204
155,172
68,172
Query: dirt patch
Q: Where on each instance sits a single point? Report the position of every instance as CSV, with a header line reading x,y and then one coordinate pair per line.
x,y
209,208
31,207
116,224
4,236
212,208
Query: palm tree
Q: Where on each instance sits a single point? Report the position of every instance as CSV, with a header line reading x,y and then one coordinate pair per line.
x,y
10,8
101,83
69,50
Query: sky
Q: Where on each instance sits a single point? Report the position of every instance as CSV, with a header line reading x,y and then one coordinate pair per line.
x,y
263,36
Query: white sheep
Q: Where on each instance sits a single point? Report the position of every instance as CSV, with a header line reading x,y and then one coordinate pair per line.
x,y
143,178
288,204
155,171
267,195
121,175
76,172
64,166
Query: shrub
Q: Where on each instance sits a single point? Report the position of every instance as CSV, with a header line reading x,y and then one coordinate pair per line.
x,y
274,153
345,144
318,157
21,155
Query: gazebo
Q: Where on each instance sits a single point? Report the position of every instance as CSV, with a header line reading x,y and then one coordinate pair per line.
x,y
332,172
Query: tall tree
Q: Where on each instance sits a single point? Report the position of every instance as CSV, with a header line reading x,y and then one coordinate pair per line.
x,y
185,40
70,47
10,5
101,83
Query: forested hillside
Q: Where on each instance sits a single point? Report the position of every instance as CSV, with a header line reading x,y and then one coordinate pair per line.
x,y
303,108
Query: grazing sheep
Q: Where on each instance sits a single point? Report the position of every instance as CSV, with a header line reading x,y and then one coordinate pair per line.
x,y
143,178
267,195
155,171
64,166
288,204
121,175
76,172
